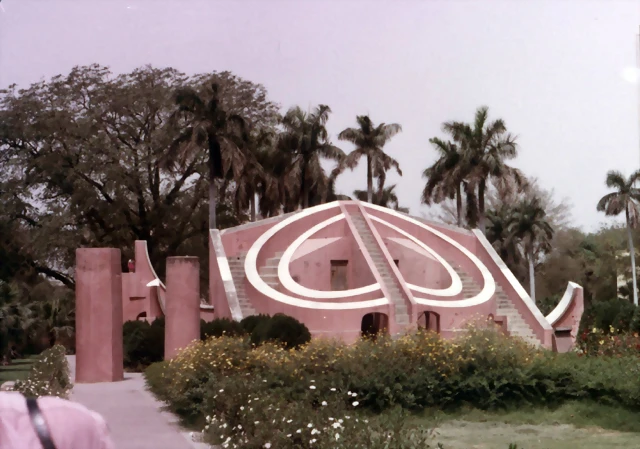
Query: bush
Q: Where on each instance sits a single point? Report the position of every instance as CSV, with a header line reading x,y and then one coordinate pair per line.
x,y
252,321
143,343
49,375
246,387
282,329
220,327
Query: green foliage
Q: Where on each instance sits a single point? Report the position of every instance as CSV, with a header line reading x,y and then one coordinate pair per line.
x,y
281,329
143,343
252,321
49,375
220,327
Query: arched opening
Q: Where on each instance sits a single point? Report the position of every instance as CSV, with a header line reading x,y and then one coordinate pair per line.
x,y
373,324
429,321
142,316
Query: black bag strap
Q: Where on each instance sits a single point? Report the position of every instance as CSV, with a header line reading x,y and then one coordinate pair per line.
x,y
39,424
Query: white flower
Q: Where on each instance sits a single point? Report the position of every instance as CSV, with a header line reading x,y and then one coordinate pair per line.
x,y
309,425
315,431
289,421
333,389
299,431
221,391
288,435
242,408
257,422
324,403
312,381
337,436
312,387
239,427
336,425
348,393
312,441
267,445
347,417
355,403
330,419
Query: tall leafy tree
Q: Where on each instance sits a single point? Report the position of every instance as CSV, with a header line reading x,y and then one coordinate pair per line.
x,y
625,199
386,198
530,226
370,141
486,147
209,128
304,142
446,177
80,158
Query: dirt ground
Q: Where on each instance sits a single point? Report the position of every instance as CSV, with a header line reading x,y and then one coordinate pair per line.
x,y
497,435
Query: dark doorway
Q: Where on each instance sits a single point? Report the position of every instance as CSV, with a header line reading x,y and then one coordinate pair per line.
x,y
339,274
397,262
429,321
373,324
142,316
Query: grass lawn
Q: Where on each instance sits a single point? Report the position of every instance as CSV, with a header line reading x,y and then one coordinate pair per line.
x,y
583,425
19,369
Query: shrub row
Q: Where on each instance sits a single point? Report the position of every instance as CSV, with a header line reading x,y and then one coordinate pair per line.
x,y
49,375
238,386
144,342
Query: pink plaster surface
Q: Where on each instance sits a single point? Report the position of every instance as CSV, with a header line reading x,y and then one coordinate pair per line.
x,y
182,325
98,315
311,265
571,320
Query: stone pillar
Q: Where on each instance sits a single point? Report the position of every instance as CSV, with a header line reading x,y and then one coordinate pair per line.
x,y
182,321
98,315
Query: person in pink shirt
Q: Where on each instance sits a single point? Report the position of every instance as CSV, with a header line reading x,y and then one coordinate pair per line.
x,y
49,423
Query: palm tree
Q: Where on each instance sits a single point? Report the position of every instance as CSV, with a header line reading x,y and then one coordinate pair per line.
x,y
625,198
530,226
305,141
386,198
16,318
208,128
485,147
370,141
446,176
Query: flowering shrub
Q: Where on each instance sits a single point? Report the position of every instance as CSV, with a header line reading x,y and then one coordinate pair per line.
x,y
243,388
614,343
49,375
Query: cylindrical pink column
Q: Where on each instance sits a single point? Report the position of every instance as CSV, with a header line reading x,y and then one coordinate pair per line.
x,y
182,321
98,315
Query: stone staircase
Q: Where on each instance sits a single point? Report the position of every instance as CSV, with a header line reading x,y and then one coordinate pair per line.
x,y
269,271
516,325
396,296
236,265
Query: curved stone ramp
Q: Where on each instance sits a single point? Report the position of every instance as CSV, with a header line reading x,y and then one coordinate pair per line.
x,y
136,419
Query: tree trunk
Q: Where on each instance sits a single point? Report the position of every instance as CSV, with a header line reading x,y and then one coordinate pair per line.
x,y
305,188
459,205
532,276
481,189
253,207
213,201
369,181
632,253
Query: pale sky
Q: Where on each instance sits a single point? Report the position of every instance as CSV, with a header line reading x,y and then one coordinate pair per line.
x,y
553,70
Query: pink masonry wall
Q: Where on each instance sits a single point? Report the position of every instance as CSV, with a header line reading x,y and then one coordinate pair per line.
x,y
99,352
415,267
182,325
217,293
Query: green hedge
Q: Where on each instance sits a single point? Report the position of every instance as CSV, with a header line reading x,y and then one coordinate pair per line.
x,y
144,343
49,375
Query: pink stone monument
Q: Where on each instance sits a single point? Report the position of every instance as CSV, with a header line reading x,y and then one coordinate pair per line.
x,y
98,315
182,325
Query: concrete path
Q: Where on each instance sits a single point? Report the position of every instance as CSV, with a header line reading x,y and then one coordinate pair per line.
x,y
135,417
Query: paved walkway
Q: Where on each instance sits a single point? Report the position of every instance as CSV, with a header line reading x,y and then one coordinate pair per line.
x,y
135,417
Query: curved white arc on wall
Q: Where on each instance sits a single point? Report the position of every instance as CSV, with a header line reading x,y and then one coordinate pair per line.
x,y
489,285
251,270
563,305
284,275
456,284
